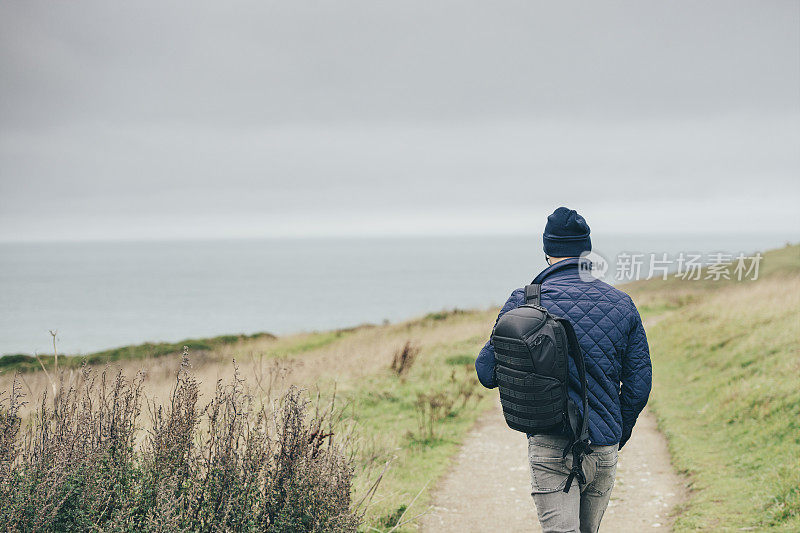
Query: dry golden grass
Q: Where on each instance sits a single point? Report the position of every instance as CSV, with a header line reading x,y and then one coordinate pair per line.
x,y
383,408
346,359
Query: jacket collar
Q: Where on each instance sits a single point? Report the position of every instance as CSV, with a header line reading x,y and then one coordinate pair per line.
x,y
559,269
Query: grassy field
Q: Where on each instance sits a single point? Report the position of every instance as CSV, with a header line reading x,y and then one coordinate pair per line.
x,y
726,370
726,392
29,363
406,422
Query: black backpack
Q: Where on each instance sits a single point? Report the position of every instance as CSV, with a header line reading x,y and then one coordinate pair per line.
x,y
531,349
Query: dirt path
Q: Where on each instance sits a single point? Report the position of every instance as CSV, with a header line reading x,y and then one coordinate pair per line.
x,y
488,488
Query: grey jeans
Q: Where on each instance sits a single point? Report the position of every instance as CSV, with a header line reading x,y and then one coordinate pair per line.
x,y
582,508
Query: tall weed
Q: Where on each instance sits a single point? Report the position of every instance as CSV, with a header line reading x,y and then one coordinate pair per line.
x,y
84,462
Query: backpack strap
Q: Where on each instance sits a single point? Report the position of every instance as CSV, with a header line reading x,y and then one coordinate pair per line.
x,y
577,355
533,294
579,445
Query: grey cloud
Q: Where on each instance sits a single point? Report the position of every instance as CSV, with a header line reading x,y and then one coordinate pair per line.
x,y
113,115
270,62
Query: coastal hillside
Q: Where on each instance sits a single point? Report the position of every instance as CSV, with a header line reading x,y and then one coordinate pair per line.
x,y
405,393
726,372
726,368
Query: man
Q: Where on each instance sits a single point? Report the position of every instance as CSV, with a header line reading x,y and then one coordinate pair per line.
x,y
618,374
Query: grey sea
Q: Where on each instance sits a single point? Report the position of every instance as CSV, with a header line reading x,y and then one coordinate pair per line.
x,y
100,295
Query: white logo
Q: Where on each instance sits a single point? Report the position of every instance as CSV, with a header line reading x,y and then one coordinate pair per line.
x,y
592,266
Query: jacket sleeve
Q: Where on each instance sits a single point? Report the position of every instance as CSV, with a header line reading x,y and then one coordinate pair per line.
x,y
637,377
484,364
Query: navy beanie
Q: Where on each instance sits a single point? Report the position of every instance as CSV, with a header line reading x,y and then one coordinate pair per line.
x,y
566,234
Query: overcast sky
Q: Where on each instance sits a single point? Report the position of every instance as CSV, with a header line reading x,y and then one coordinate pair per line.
x,y
233,119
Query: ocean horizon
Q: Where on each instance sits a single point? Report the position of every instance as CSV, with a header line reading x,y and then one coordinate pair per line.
x,y
100,295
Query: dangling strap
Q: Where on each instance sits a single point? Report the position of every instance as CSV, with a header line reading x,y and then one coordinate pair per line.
x,y
578,445
533,294
575,351
577,469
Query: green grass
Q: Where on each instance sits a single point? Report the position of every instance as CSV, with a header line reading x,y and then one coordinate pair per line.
x,y
29,363
464,359
385,409
726,367
295,346
443,315
310,342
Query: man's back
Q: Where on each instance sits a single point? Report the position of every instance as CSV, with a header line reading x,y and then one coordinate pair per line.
x,y
618,375
612,337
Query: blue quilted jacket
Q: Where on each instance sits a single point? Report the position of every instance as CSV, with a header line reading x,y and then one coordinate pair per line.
x,y
610,331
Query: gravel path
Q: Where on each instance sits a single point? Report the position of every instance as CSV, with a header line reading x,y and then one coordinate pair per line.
x,y
488,488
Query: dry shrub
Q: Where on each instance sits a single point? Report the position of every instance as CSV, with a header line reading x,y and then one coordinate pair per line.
x,y
84,463
433,407
404,358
